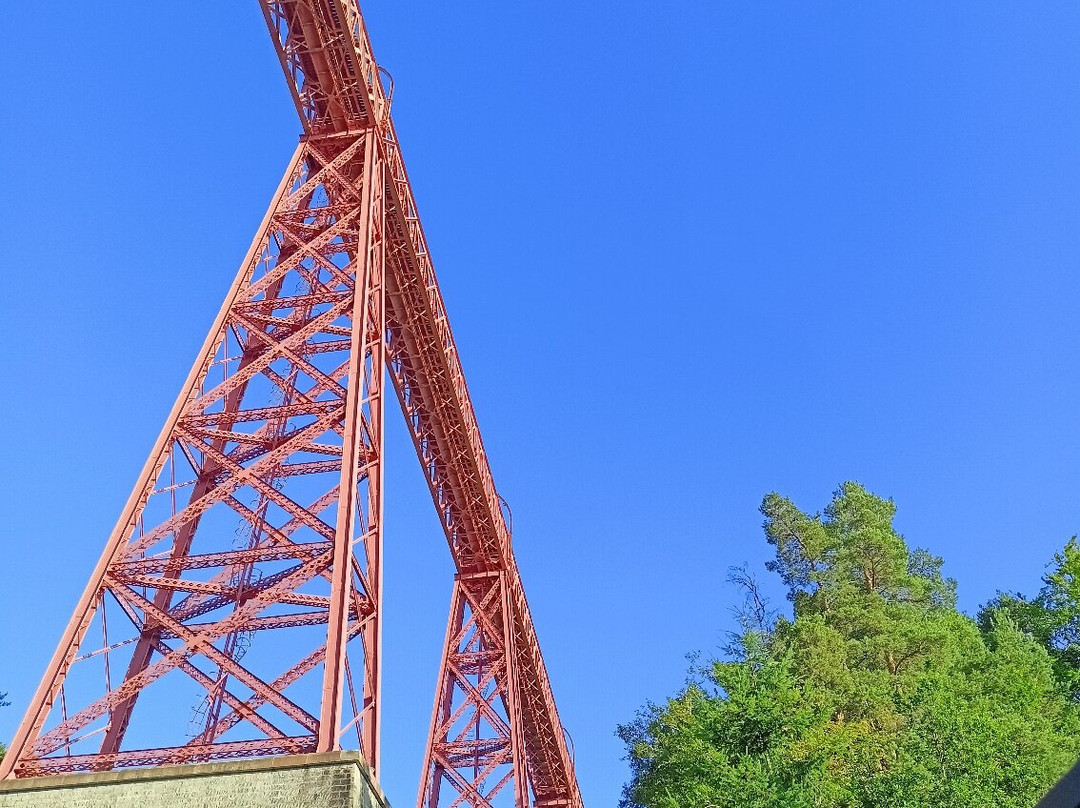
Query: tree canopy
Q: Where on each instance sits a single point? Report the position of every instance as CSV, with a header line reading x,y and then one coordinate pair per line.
x,y
876,691
1052,617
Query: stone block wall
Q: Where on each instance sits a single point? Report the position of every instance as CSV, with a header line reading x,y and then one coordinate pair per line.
x,y
334,780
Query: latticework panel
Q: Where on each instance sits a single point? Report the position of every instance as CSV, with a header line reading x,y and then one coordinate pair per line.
x,y
249,553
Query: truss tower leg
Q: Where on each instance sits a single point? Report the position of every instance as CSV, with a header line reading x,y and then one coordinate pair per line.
x,y
259,511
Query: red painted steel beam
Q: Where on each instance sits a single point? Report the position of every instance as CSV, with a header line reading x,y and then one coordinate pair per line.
x,y
171,756
244,590
284,406
338,93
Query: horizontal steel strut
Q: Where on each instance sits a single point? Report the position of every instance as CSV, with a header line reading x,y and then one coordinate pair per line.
x,y
248,559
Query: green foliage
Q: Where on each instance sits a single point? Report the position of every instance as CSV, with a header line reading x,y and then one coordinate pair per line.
x,y
1052,618
876,692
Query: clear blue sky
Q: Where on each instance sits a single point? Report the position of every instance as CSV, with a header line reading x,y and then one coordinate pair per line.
x,y
693,252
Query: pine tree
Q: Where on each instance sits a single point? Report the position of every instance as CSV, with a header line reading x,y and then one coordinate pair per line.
x,y
876,692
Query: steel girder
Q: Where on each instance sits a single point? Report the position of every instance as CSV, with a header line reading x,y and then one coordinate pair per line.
x,y
337,291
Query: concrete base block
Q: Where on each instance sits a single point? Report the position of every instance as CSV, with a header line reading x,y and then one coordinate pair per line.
x,y
333,780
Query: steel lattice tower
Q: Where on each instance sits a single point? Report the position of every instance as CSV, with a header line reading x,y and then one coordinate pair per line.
x,y
245,569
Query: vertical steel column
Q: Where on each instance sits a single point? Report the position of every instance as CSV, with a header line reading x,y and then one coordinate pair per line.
x,y
372,626
360,435
512,691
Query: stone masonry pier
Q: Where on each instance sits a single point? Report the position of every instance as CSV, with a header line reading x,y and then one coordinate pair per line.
x,y
334,780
